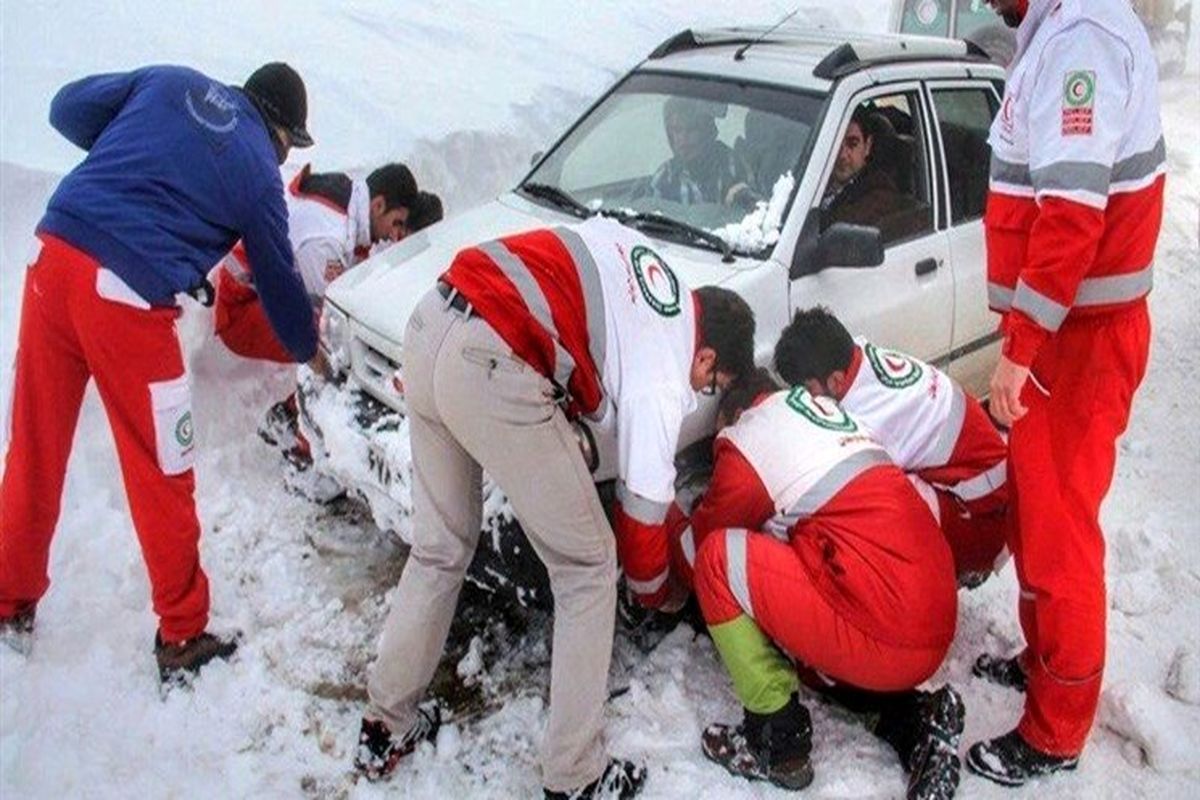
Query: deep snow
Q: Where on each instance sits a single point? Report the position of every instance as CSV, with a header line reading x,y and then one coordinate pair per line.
x,y
466,98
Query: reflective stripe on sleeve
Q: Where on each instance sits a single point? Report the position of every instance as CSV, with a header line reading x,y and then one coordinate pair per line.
x,y
999,297
647,587
982,484
1009,173
641,509
1073,176
1040,308
1141,166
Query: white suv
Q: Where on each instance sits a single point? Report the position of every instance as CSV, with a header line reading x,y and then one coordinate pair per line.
x,y
769,111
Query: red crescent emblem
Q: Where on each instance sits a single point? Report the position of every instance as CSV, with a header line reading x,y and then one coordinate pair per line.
x,y
653,268
894,364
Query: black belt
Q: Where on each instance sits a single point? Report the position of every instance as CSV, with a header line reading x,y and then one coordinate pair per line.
x,y
454,298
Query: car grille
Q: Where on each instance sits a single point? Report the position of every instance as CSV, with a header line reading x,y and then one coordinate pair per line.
x,y
376,373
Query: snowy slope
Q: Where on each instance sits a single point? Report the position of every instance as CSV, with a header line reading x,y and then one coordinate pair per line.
x,y
82,716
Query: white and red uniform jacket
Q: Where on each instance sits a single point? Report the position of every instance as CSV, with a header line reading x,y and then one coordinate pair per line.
x,y
1078,160
800,468
930,427
597,311
329,225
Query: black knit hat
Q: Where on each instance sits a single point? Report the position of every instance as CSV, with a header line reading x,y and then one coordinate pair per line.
x,y
278,91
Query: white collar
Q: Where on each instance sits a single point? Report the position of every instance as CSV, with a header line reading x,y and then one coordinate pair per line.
x,y
359,211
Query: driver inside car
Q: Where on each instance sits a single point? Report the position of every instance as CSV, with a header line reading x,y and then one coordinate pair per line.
x,y
702,168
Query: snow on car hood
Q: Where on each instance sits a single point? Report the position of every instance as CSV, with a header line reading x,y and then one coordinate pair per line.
x,y
380,293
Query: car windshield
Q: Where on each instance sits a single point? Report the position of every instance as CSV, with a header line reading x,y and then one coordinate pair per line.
x,y
686,152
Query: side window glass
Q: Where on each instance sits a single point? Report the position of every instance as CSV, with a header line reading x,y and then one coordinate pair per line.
x,y
880,176
964,117
926,17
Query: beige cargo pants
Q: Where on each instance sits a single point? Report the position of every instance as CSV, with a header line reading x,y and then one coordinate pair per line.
x,y
474,406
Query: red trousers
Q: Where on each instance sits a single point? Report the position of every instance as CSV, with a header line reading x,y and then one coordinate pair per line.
x,y
241,323
788,607
79,322
975,539
1061,459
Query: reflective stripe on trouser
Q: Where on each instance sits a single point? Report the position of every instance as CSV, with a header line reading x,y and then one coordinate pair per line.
x,y
781,598
473,406
240,321
1062,454
69,333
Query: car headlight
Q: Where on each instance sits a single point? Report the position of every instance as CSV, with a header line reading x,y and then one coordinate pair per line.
x,y
335,337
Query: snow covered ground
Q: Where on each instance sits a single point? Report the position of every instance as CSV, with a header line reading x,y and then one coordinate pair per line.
x,y
466,98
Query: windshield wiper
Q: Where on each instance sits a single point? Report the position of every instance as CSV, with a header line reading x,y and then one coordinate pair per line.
x,y
558,197
661,222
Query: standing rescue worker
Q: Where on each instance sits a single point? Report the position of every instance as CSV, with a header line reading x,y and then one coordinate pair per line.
x,y
932,429
811,540
520,337
179,167
1073,215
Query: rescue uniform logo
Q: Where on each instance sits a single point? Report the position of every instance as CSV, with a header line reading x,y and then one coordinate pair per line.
x,y
658,283
183,430
1079,98
894,370
823,412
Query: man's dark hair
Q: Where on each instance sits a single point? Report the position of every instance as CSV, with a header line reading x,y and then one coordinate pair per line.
x,y
742,394
396,184
863,117
814,345
727,326
425,210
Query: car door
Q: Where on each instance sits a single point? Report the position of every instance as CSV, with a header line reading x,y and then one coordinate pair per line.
x,y
962,115
907,302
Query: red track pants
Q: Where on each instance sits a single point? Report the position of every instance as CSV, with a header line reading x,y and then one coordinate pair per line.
x,y
788,607
241,322
78,321
1061,460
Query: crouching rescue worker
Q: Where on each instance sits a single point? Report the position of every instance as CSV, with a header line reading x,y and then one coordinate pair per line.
x,y
179,167
520,337
333,221
931,428
1073,216
810,540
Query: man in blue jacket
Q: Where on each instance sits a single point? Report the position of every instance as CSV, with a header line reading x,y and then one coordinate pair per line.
x,y
178,168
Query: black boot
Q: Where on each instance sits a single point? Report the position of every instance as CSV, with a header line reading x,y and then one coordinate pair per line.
x,y
933,764
1011,761
1005,672
766,747
178,662
17,631
620,780
379,750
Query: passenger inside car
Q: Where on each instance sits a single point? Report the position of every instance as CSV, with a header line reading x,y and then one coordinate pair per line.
x,y
872,181
702,168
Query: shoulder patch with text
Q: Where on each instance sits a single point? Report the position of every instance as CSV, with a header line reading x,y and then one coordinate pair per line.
x,y
658,283
1079,100
894,370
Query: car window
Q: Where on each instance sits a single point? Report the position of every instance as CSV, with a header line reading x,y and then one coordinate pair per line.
x,y
973,16
880,176
964,117
926,17
708,152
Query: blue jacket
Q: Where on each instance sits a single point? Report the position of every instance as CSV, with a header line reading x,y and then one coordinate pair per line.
x,y
179,167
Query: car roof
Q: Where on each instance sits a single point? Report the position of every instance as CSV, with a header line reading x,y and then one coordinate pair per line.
x,y
803,57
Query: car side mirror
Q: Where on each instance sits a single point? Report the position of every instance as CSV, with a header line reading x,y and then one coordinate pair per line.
x,y
846,245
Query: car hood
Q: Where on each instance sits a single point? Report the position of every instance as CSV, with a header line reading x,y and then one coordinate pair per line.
x,y
380,293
